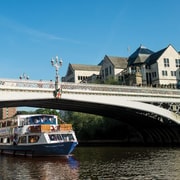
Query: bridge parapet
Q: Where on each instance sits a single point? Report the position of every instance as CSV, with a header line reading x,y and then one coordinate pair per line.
x,y
22,83
89,88
119,89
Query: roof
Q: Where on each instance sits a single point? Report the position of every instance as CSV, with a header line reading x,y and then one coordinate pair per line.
x,y
155,56
139,56
118,62
84,67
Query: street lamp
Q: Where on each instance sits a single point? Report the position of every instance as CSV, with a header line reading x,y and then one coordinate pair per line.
x,y
24,76
57,63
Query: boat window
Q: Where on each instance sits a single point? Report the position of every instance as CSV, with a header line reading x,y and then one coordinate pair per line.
x,y
55,137
4,140
52,137
8,123
14,123
27,121
67,137
33,139
21,122
59,137
4,124
42,120
22,139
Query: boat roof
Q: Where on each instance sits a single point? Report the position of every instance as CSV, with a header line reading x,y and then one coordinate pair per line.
x,y
32,115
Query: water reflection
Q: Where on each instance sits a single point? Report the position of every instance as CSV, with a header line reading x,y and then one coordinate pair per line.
x,y
38,168
95,163
129,163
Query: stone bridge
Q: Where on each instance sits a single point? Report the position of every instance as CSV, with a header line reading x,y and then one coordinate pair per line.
x,y
153,112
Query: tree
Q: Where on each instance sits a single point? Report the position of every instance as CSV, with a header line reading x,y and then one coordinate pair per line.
x,y
46,111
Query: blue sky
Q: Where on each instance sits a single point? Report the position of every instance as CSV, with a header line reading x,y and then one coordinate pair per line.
x,y
80,32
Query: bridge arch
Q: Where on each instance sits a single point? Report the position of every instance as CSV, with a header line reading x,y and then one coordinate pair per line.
x,y
109,97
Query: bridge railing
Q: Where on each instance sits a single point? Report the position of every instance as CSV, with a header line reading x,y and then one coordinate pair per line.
x,y
20,83
119,88
26,83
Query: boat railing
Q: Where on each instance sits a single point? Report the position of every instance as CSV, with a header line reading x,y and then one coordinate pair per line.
x,y
49,128
39,128
66,127
8,123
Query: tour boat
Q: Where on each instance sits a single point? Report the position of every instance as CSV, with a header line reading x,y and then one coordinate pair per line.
x,y
36,135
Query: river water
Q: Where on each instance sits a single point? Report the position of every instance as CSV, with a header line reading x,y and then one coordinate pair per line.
x,y
96,163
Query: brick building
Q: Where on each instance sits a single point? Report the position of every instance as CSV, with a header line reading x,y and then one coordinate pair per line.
x,y
7,112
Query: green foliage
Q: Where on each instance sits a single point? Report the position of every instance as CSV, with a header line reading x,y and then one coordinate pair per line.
x,y
112,81
46,111
86,125
93,127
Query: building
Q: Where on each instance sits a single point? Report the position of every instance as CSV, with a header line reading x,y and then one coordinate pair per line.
x,y
80,73
7,112
111,66
163,68
143,67
133,73
157,69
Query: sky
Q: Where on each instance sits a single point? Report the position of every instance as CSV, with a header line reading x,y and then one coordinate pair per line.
x,y
80,32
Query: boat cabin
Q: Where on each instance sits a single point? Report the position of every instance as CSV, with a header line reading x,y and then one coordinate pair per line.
x,y
27,129
37,119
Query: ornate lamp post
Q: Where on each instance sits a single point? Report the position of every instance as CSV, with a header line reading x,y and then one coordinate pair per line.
x,y
57,63
24,76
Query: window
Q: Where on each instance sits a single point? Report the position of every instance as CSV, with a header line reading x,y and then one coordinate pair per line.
x,y
102,73
153,74
173,73
177,62
67,137
22,139
53,137
166,62
33,138
148,67
133,70
109,69
164,73
106,72
42,120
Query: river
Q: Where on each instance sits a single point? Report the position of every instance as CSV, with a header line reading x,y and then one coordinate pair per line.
x,y
96,163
